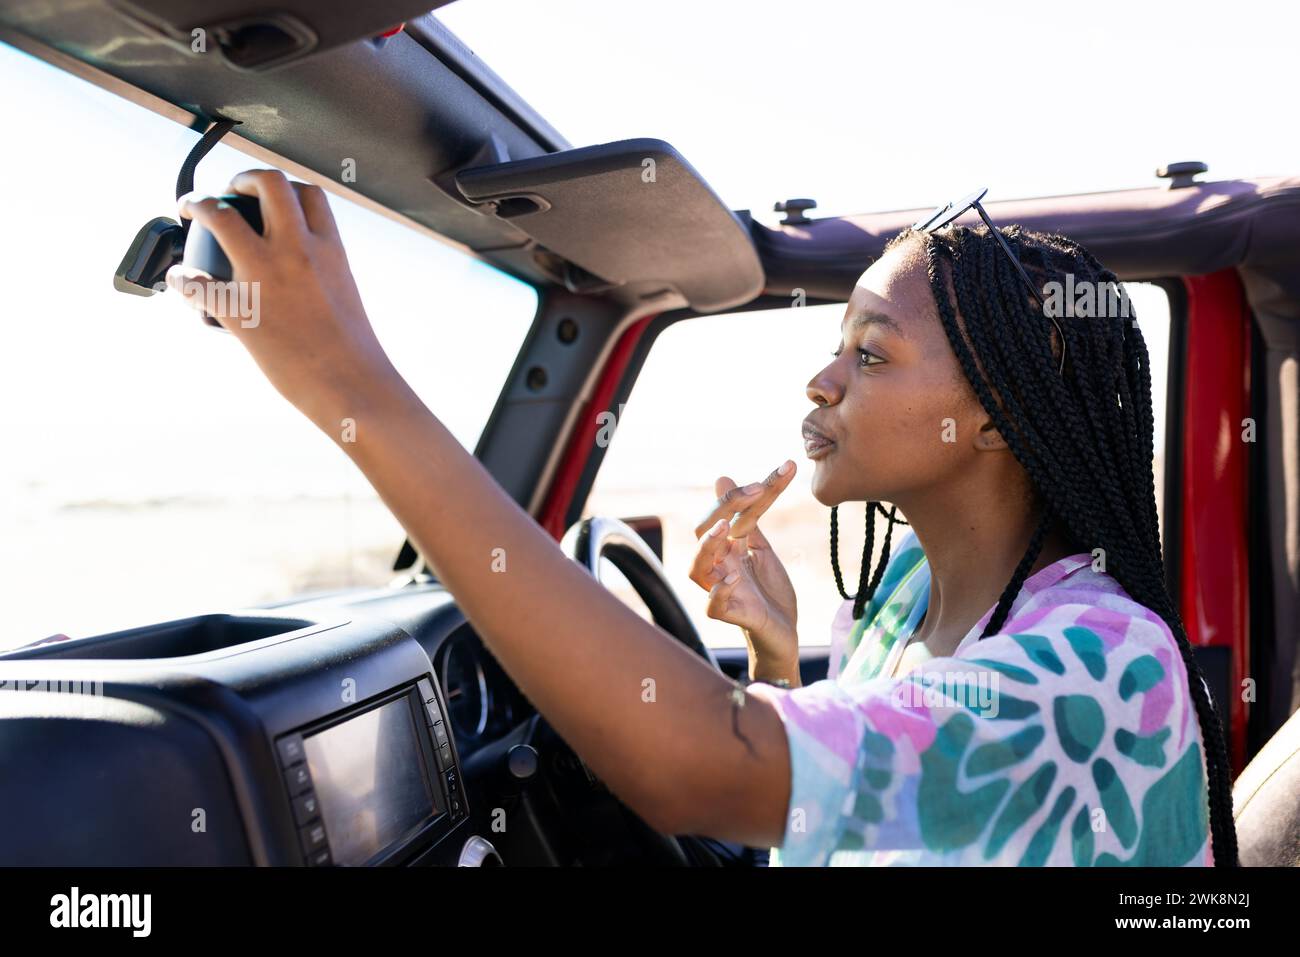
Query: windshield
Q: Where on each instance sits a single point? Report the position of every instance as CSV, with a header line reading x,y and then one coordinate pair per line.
x,y
149,470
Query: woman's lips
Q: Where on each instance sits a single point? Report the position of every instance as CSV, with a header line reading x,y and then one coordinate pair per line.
x,y
815,444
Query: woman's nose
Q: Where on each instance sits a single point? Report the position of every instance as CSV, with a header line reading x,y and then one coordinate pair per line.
x,y
824,389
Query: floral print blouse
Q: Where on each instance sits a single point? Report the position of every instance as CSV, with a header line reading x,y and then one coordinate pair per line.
x,y
1068,738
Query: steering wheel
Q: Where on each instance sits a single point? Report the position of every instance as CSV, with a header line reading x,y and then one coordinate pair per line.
x,y
592,539
569,779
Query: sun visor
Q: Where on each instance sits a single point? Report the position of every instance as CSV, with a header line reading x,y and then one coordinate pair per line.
x,y
630,212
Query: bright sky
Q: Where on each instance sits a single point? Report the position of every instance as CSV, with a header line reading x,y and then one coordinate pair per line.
x,y
873,106
132,430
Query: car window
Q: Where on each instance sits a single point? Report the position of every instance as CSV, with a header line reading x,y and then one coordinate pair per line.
x,y
739,414
150,471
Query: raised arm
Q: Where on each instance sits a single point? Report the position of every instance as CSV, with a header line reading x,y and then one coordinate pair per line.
x,y
656,723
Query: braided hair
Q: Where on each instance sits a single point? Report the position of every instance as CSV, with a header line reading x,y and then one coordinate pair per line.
x,y
1084,435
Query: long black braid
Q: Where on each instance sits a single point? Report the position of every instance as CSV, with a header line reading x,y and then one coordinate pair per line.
x,y
865,589
1084,437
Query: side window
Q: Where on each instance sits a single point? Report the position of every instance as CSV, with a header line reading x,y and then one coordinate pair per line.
x,y
725,395
1151,306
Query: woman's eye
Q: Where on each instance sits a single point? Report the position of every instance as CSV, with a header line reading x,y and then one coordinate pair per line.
x,y
863,356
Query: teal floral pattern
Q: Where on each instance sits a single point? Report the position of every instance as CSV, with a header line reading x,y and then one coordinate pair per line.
x,y
1069,738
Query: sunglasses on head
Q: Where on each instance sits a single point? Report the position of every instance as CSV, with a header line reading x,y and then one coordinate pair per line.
x,y
953,210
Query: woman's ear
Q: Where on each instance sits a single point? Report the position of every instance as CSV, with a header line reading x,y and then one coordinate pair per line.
x,y
988,438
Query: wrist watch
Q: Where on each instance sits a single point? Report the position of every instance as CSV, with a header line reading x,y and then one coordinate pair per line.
x,y
776,683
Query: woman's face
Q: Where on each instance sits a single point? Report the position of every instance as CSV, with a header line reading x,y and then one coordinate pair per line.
x,y
898,412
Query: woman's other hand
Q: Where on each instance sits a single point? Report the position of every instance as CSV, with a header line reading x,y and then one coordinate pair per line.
x,y
747,584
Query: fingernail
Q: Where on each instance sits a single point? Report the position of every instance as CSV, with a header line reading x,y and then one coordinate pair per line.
x,y
786,466
717,528
752,487
731,579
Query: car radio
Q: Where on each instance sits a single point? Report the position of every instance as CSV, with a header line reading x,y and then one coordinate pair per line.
x,y
369,782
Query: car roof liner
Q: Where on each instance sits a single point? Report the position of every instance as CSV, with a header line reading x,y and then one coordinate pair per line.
x,y
1251,225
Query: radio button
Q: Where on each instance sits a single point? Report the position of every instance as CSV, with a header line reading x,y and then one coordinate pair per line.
x,y
431,714
444,756
312,837
290,747
298,778
426,690
440,732
305,808
320,858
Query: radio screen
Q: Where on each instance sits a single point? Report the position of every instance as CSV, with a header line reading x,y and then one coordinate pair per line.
x,y
370,781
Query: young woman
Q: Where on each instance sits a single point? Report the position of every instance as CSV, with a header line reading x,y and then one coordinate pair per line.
x,y
1016,687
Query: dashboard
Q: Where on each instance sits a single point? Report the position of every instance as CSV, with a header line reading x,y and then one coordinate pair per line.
x,y
328,732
